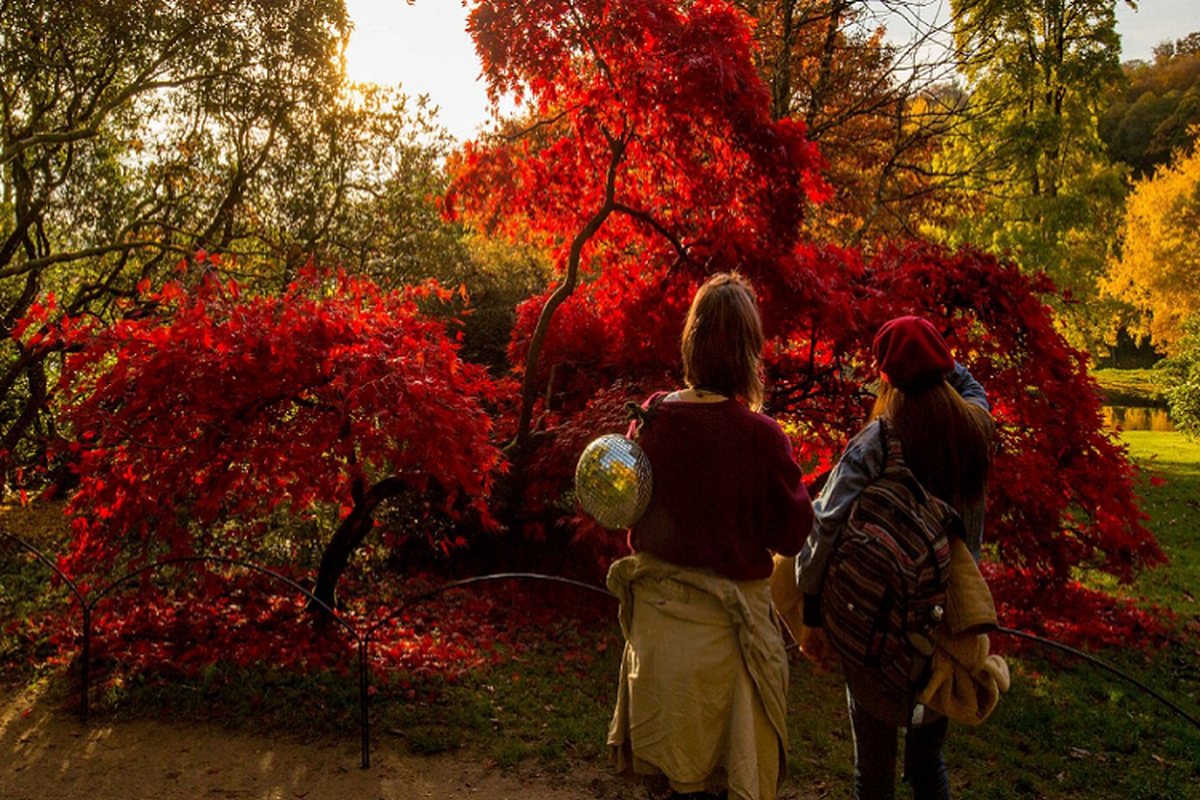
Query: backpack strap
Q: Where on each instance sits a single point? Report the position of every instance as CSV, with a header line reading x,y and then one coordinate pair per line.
x,y
893,453
641,414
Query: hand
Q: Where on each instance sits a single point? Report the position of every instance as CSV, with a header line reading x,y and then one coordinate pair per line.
x,y
814,644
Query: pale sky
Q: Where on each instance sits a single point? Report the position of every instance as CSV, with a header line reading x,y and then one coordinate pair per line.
x,y
425,48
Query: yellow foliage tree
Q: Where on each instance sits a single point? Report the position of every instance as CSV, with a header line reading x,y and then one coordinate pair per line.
x,y
1158,271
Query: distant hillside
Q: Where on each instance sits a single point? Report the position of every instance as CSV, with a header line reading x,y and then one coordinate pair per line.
x,y
1159,110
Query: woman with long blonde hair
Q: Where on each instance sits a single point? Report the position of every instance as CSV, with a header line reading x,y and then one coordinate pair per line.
x,y
941,415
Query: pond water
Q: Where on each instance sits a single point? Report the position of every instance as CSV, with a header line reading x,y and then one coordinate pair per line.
x,y
1135,418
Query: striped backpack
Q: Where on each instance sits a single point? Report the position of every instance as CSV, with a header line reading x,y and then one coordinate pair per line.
x,y
885,589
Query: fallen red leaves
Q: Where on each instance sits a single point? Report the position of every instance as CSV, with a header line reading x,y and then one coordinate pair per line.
x,y
250,620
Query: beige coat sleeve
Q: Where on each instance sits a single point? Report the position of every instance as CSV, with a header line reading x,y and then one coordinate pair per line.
x,y
967,679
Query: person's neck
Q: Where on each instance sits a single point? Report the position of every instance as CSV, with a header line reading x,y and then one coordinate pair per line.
x,y
694,395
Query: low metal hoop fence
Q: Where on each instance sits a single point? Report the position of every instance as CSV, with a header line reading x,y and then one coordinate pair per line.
x,y
363,635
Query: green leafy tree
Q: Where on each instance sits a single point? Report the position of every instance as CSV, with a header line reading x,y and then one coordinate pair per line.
x,y
1037,183
1182,379
353,185
129,133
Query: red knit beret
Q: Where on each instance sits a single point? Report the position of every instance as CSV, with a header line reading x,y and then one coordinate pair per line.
x,y
911,353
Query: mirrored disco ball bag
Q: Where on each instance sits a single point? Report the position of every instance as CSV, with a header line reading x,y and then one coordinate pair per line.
x,y
613,481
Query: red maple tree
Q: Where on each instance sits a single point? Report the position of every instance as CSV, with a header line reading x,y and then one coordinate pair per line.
x,y
649,143
217,409
646,160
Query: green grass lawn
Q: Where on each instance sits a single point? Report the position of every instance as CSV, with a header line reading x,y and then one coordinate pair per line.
x,y
1174,509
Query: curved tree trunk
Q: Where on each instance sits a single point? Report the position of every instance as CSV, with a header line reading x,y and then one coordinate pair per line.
x,y
350,535
519,448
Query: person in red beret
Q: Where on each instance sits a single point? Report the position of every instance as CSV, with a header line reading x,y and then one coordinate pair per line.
x,y
942,417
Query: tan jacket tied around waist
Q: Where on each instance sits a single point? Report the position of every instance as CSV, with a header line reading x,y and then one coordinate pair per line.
x,y
703,692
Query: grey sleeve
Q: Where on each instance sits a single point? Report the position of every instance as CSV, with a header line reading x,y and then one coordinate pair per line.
x,y
861,463
971,390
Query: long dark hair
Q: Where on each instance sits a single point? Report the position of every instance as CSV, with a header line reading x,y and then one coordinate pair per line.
x,y
947,441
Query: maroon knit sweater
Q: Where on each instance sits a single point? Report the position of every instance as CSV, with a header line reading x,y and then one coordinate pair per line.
x,y
727,490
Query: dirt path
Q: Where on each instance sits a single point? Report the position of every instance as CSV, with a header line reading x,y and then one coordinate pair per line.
x,y
48,753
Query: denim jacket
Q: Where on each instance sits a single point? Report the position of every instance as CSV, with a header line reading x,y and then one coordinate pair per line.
x,y
862,462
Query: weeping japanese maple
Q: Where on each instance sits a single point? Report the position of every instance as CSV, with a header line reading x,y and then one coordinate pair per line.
x,y
218,409
647,160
